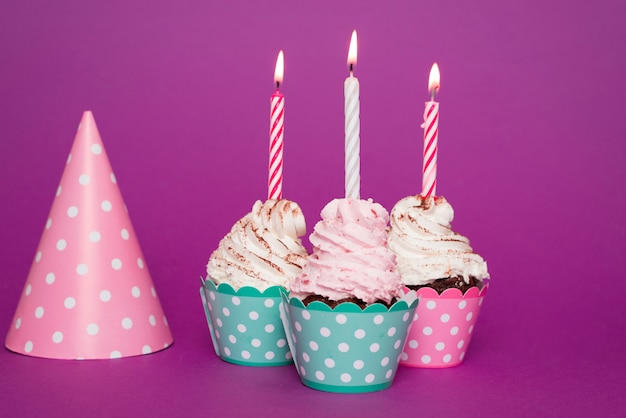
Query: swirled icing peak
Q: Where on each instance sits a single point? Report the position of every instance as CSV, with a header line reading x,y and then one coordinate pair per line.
x,y
426,247
350,257
262,249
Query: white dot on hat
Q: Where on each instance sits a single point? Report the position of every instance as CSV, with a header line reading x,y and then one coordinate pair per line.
x,y
92,329
140,263
245,354
431,304
153,291
405,317
469,316
341,319
113,179
313,345
269,355
96,149
106,206
127,323
152,320
116,263
72,211
389,373
427,330
359,334
268,303
48,223
59,190
165,321
39,312
454,330
330,363
426,359
255,342
378,319
227,351
241,328
306,315
69,157
236,301
384,361
146,349
18,323
69,302
253,315
396,345
305,357
369,378
94,236
82,269
38,257
319,375
343,347
391,332
84,179
61,244
460,344
135,291
325,332
462,304
413,344
440,346
281,343
374,347
115,354
28,289
50,277
105,295
358,364
447,358
269,328
125,234
28,347
345,377
444,318
302,371
57,337
297,326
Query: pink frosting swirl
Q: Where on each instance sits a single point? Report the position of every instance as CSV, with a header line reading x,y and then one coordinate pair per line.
x,y
350,256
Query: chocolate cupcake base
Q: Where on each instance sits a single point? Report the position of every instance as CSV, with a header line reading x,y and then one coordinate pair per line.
x,y
456,282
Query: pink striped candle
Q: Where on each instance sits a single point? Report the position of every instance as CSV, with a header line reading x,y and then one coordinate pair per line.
x,y
277,121
431,134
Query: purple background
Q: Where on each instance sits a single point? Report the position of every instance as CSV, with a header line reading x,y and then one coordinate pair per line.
x,y
532,156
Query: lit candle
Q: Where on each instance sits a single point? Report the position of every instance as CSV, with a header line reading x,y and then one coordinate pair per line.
x,y
431,133
277,121
352,126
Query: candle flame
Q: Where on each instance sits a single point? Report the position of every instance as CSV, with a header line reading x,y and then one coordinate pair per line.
x,y
433,79
352,50
280,68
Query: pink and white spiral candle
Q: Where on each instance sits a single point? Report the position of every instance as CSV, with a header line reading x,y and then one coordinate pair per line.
x,y
277,121
431,134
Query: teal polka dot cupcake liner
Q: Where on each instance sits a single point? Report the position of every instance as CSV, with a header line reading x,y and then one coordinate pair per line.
x,y
245,324
346,349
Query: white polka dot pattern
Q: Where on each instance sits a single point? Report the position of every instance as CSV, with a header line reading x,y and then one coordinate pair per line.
x,y
77,301
346,352
246,329
442,331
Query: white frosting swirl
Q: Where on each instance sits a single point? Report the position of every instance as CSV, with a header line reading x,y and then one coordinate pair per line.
x,y
426,247
262,249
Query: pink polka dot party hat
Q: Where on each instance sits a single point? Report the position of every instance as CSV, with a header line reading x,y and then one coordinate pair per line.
x,y
89,294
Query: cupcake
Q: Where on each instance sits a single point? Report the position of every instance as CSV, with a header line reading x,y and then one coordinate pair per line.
x,y
258,258
450,278
347,318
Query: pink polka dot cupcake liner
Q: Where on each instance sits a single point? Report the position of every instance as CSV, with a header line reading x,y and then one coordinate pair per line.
x,y
88,294
245,324
346,349
442,328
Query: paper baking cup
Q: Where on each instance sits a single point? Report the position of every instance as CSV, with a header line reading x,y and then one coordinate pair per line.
x,y
245,324
443,327
346,349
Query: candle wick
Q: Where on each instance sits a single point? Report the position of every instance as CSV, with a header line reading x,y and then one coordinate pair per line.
x,y
277,85
351,69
